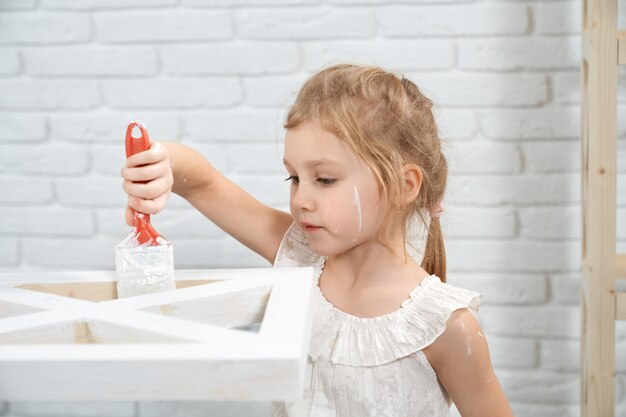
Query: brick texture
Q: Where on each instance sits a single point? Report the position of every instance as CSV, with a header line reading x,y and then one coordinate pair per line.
x,y
219,75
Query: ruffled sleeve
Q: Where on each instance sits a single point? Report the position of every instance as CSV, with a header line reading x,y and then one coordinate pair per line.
x,y
349,340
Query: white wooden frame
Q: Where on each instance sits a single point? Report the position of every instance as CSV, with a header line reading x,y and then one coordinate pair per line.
x,y
173,345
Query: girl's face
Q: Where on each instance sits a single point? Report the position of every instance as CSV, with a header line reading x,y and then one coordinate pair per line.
x,y
334,195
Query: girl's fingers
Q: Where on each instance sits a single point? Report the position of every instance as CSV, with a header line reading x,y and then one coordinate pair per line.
x,y
148,181
149,206
146,173
158,204
156,153
150,190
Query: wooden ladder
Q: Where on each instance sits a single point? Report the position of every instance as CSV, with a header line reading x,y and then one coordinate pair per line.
x,y
603,49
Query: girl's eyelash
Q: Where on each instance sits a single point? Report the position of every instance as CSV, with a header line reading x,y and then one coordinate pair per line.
x,y
326,181
323,181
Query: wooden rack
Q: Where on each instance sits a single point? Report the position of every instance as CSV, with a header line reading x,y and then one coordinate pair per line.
x,y
603,49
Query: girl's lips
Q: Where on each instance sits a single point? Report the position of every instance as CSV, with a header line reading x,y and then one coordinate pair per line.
x,y
310,227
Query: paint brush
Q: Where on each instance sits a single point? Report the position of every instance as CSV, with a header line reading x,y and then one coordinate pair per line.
x,y
144,260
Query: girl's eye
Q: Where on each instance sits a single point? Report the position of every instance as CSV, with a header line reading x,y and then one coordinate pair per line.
x,y
326,181
294,179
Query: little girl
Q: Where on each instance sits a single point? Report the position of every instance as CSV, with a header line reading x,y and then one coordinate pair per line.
x,y
390,336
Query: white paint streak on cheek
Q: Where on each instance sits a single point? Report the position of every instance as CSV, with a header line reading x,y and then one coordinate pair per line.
x,y
356,199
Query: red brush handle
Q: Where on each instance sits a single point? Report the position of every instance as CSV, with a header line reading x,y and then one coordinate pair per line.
x,y
141,221
136,145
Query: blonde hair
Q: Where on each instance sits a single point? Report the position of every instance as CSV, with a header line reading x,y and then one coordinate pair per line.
x,y
388,122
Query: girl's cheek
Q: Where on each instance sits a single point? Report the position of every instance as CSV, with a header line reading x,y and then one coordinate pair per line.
x,y
327,209
328,216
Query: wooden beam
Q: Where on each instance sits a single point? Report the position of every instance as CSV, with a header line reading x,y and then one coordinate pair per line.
x,y
598,157
94,291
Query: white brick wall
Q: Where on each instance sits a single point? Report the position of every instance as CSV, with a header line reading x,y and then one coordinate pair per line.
x,y
219,74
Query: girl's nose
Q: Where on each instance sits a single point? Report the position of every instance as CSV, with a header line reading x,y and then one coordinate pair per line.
x,y
303,198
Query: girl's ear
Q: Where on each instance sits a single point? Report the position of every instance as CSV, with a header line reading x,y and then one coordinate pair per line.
x,y
412,182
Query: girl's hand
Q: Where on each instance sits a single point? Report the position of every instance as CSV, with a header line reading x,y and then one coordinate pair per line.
x,y
148,181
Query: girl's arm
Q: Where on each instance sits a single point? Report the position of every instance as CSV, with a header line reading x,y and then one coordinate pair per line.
x,y
460,357
171,166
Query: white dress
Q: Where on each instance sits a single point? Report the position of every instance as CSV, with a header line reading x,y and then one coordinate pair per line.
x,y
372,366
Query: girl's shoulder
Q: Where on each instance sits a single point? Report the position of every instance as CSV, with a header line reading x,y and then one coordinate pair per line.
x,y
444,297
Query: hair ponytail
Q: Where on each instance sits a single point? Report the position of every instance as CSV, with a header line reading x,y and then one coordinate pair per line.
x,y
434,261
